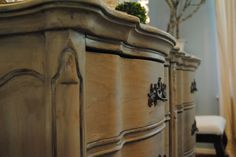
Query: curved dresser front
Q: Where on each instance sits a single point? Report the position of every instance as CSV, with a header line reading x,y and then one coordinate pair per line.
x,y
80,80
182,70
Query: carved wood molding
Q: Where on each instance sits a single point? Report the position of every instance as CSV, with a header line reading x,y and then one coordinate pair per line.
x,y
68,126
114,144
189,153
184,61
101,22
19,72
68,75
95,44
188,107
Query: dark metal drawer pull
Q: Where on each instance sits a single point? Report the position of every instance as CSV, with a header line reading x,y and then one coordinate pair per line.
x,y
194,128
193,87
157,92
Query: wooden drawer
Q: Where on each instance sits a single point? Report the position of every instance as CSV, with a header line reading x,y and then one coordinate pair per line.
x,y
151,147
147,147
167,139
189,135
16,53
167,77
136,78
180,133
118,89
188,95
179,87
167,113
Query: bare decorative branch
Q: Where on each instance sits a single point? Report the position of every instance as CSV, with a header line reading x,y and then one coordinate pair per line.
x,y
170,4
177,11
198,6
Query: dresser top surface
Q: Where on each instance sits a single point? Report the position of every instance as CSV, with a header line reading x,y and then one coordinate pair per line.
x,y
88,16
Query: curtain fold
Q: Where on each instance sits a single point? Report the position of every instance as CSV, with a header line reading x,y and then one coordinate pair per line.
x,y
226,31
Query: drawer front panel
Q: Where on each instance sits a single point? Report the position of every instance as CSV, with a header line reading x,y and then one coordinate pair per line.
x,y
189,132
137,76
152,147
167,103
17,53
24,118
103,106
147,147
167,139
188,79
179,87
180,134
118,90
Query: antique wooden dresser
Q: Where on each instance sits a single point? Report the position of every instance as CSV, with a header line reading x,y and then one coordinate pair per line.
x,y
182,90
78,79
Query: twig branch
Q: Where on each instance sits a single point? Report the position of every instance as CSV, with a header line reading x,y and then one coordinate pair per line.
x,y
187,4
170,4
177,10
194,11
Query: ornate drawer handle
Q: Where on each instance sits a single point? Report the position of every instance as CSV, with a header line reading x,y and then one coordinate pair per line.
x,y
194,128
193,87
157,92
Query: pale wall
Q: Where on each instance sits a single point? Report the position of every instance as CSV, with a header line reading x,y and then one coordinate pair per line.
x,y
200,34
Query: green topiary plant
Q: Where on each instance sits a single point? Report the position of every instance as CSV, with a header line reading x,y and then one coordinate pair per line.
x,y
135,9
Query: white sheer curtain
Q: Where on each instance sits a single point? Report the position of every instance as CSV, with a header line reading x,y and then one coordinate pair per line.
x,y
226,27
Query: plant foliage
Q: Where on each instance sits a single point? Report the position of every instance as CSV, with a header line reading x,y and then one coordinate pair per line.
x,y
135,9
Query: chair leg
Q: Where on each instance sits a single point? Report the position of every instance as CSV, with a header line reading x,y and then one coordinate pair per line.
x,y
225,140
219,146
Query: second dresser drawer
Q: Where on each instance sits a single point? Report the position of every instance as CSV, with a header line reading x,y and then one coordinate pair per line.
x,y
118,89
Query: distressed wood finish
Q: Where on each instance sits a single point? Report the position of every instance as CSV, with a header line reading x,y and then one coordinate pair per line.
x,y
111,3
80,79
167,110
190,65
38,120
75,81
183,67
189,138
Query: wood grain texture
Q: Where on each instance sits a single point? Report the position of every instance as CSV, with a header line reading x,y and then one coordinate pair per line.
x,y
111,145
182,74
155,148
37,117
180,134
23,118
82,15
111,3
75,78
189,139
65,55
122,93
67,84
167,110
